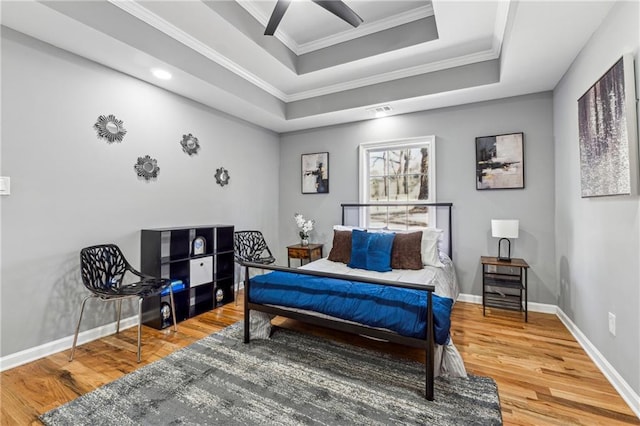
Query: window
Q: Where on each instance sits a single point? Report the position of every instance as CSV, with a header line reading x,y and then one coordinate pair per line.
x,y
397,172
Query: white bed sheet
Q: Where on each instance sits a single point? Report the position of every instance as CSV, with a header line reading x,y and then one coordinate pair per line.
x,y
444,278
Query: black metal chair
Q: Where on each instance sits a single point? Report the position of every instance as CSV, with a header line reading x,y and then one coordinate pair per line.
x,y
250,246
103,269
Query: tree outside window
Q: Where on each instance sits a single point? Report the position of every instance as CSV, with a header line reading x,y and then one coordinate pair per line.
x,y
396,172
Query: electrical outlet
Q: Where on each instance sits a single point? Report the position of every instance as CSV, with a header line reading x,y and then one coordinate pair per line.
x,y
612,323
5,185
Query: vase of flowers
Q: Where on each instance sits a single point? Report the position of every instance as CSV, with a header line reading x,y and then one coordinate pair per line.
x,y
305,226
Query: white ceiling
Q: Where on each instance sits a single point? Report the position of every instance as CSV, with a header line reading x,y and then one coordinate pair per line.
x,y
317,70
306,26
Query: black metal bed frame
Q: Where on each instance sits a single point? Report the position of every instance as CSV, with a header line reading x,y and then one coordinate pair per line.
x,y
427,343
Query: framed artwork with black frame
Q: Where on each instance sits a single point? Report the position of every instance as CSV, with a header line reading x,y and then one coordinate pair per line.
x,y
607,133
500,161
315,173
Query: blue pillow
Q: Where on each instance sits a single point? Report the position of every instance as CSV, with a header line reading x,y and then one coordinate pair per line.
x,y
379,253
371,250
359,247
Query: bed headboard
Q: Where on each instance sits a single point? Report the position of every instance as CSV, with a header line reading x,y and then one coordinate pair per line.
x,y
402,216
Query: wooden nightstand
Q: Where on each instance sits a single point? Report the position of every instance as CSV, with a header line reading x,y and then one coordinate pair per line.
x,y
510,276
310,252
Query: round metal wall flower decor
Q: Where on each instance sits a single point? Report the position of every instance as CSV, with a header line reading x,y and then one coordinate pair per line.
x,y
190,144
222,176
110,128
147,167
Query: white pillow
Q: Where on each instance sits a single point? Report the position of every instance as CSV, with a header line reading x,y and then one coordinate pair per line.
x,y
346,228
359,228
429,247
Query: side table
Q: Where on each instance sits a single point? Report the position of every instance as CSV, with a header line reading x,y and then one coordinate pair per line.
x,y
494,275
310,252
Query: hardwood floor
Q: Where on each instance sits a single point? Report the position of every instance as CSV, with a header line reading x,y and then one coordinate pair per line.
x,y
543,376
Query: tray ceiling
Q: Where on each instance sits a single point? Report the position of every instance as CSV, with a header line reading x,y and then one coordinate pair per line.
x,y
317,70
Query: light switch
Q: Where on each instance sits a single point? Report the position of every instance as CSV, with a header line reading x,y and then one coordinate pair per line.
x,y
5,185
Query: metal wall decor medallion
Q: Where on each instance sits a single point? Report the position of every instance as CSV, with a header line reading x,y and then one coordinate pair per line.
x,y
110,128
147,167
190,144
222,176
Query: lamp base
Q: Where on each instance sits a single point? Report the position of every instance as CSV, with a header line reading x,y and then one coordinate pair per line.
x,y
500,257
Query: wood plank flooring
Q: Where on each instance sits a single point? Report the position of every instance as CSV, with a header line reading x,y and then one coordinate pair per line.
x,y
543,376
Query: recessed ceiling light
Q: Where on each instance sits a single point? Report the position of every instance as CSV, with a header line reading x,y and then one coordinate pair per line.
x,y
161,74
380,111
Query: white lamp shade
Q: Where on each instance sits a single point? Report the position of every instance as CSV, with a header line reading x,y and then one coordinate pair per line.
x,y
504,228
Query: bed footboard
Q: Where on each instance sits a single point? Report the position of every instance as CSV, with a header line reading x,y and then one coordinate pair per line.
x,y
428,343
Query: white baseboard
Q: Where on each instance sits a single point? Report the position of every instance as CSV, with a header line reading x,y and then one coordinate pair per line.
x,y
531,306
469,298
630,397
32,354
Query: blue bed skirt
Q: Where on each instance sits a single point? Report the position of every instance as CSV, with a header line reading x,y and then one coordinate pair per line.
x,y
398,309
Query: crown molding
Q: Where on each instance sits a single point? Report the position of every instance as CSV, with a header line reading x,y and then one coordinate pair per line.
x,y
263,19
256,12
145,15
351,34
472,58
500,27
502,15
366,29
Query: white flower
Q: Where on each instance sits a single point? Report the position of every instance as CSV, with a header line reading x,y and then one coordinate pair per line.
x,y
299,219
305,225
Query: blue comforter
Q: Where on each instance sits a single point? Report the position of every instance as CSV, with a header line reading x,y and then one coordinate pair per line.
x,y
401,310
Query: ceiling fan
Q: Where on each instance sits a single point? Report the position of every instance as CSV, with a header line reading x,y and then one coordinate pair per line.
x,y
337,7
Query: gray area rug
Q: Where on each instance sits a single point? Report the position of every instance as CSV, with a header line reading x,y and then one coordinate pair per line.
x,y
290,379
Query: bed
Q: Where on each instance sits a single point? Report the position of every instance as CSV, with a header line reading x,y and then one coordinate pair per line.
x,y
408,304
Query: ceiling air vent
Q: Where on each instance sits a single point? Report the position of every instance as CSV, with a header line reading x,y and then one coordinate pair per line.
x,y
380,111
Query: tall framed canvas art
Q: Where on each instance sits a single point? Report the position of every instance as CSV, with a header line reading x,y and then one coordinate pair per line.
x,y
607,133
500,161
315,173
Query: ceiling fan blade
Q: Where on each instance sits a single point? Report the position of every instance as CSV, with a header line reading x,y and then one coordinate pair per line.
x,y
341,10
276,16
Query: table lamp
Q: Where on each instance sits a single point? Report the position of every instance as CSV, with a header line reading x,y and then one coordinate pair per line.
x,y
504,229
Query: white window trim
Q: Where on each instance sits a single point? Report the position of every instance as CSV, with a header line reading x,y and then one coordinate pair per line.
x,y
366,147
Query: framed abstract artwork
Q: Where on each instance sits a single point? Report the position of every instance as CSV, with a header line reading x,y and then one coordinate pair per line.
x,y
607,133
315,173
500,161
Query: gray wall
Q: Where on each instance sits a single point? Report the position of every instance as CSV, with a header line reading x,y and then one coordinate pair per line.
x,y
70,190
598,239
455,129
